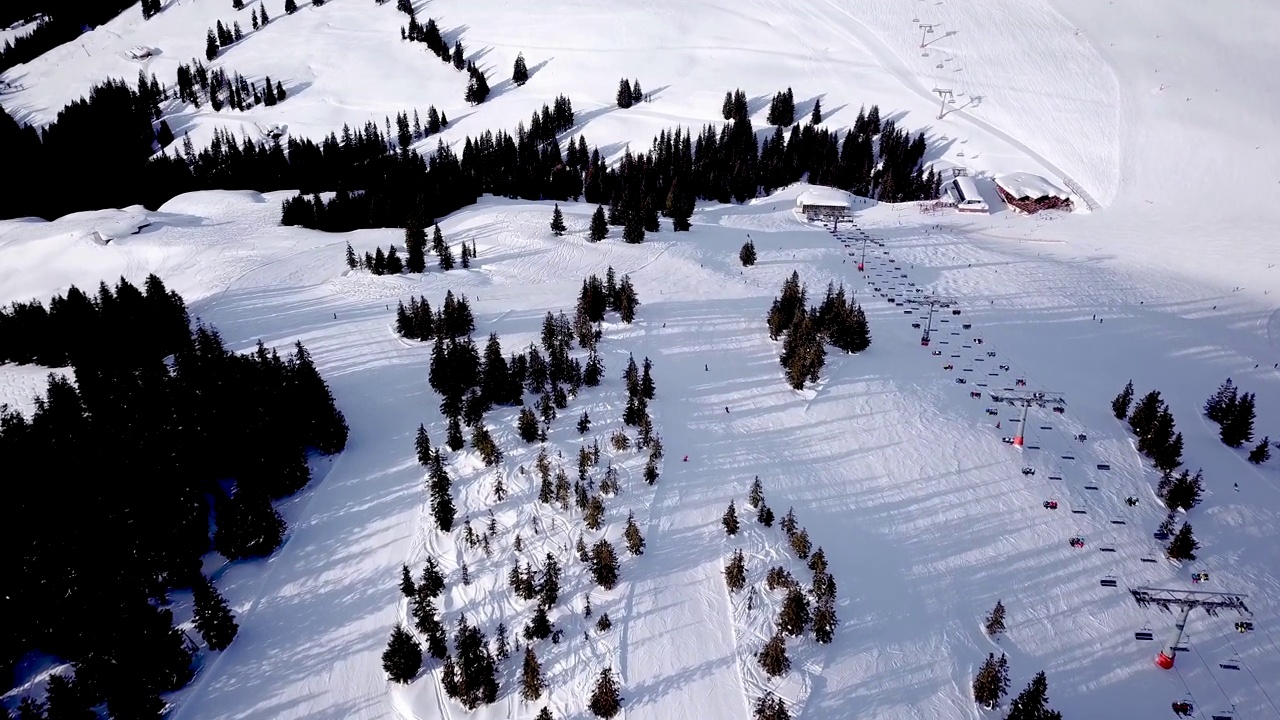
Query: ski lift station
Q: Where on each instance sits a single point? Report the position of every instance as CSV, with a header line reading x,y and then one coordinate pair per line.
x,y
964,192
818,203
1031,193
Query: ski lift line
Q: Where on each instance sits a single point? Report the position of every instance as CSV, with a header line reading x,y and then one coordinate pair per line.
x,y
1209,670
1245,665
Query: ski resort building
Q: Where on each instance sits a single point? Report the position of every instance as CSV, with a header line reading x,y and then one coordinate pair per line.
x,y
817,203
964,193
1032,193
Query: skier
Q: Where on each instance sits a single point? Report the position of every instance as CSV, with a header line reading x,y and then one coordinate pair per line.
x,y
706,368
726,408
686,458
335,316
997,424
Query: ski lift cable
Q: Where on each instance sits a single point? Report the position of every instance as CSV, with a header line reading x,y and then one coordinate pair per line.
x,y
1195,703
1245,665
1209,670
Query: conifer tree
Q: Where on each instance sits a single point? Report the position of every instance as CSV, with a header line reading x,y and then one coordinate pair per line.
x,y
604,624
637,95
1120,405
992,681
557,221
1184,545
394,264
824,620
1261,452
212,616
1237,426
604,565
735,572
815,118
599,226
994,624
352,263
764,516
527,425
423,611
407,587
65,697
795,614
756,497
635,541
520,72
593,518
210,46
800,543
1145,413
432,579
532,684
545,714
422,446
773,657
606,699
730,520
584,423
262,14
1033,702
624,97
771,707
747,254
446,258
466,256
1219,405
453,438
437,240
290,6
633,229
403,657
237,4
415,244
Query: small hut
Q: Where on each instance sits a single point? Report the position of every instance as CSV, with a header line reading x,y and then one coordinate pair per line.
x,y
1031,193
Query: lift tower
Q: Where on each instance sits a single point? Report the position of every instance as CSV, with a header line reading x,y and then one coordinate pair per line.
x,y
1026,399
1186,601
932,302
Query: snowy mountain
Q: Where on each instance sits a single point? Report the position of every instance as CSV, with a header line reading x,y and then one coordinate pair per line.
x,y
1158,118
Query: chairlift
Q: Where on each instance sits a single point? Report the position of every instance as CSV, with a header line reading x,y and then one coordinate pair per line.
x,y
1109,581
1230,664
1144,634
1183,708
1224,715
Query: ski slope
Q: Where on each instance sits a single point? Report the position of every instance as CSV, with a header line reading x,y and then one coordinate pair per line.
x,y
889,464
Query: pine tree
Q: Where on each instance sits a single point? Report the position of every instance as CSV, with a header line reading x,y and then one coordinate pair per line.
x,y
795,614
637,95
446,257
403,657
1120,405
599,226
800,543
815,118
635,541
407,586
824,621
606,700
584,423
532,684
352,263
604,624
520,72
432,579
764,516
726,108
771,707
415,245
756,497
593,518
1219,405
545,714
466,256
1033,702
557,222
747,254
991,683
527,425
1261,452
624,94
1237,426
773,657
1184,545
210,46
633,229
994,624
604,565
453,437
730,520
422,446
262,14
735,572
212,616
290,6
66,699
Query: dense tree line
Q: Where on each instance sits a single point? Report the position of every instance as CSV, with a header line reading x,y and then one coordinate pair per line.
x,y
196,84
192,443
805,331
1152,423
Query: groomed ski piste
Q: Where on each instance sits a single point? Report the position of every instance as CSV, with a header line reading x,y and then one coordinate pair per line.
x,y
890,464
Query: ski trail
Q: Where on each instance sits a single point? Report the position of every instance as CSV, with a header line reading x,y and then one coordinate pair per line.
x,y
896,67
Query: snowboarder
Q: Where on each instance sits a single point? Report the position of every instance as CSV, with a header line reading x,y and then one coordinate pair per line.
x,y
997,424
335,316
706,368
726,408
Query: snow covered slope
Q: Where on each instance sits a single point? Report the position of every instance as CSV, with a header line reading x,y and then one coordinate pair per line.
x,y
889,463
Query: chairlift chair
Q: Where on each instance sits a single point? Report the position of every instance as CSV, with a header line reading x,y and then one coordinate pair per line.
x,y
1183,708
1144,634
1232,663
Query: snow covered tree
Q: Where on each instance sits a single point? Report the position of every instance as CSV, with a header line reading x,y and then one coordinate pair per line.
x,y
475,669
519,72
771,707
730,520
635,541
557,221
1261,452
735,573
773,657
1184,545
532,684
606,699
795,614
1120,405
991,683
403,657
756,497
604,565
1033,702
599,226
212,616
747,254
994,624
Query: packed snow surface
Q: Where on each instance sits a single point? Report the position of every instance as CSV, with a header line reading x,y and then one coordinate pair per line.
x,y
1160,116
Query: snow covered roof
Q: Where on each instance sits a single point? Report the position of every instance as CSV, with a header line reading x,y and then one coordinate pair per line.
x,y
823,197
1026,185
